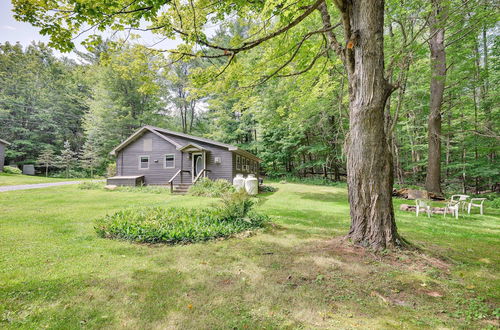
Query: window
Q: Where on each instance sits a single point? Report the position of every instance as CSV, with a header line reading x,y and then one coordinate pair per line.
x,y
147,145
238,162
169,161
143,162
247,162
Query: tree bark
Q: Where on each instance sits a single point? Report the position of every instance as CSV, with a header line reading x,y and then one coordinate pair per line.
x,y
369,158
438,76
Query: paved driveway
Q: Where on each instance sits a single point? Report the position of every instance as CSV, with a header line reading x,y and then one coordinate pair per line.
x,y
36,185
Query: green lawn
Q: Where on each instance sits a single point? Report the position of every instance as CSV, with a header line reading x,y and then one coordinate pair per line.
x,y
56,273
15,179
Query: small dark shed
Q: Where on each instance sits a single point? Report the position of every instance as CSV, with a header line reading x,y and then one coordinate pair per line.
x,y
167,157
3,144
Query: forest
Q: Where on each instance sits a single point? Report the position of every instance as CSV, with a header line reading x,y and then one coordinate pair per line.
x,y
286,100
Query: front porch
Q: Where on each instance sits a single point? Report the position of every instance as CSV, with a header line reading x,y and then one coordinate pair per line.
x,y
191,171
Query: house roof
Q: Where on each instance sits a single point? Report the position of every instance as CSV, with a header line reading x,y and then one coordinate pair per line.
x,y
161,133
4,142
191,145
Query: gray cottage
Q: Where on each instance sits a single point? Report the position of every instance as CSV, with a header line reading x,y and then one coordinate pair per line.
x,y
3,144
156,156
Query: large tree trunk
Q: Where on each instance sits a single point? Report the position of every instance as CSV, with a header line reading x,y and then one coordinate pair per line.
x,y
369,158
438,75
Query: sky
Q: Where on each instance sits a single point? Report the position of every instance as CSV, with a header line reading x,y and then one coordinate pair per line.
x,y
24,33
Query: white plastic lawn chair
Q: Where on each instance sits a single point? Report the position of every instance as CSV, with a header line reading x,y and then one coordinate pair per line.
x,y
423,206
461,199
476,202
452,206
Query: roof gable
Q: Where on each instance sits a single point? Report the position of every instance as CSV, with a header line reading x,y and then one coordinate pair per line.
x,y
161,133
137,135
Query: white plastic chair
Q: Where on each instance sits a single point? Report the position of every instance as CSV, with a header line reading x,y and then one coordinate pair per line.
x,y
422,205
453,206
476,202
461,199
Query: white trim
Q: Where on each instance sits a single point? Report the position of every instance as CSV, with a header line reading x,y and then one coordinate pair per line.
x,y
238,157
140,163
193,164
137,135
165,161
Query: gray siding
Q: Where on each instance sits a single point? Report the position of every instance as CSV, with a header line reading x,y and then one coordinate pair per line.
x,y
241,171
217,171
127,161
2,155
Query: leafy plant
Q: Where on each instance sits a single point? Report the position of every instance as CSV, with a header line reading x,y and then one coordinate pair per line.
x,y
267,188
111,170
473,309
12,170
181,225
210,188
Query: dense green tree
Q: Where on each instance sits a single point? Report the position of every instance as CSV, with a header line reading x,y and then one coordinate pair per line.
x,y
125,96
42,99
358,86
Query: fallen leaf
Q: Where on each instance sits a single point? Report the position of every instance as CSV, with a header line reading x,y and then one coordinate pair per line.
x,y
434,294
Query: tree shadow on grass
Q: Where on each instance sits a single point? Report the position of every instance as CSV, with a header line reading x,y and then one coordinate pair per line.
x,y
324,196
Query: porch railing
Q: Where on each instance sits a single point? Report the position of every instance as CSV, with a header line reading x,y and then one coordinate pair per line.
x,y
171,181
202,172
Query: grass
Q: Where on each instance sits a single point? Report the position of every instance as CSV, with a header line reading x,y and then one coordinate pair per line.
x,y
7,179
55,272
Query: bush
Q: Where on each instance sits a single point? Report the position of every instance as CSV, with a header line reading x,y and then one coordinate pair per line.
x,y
266,188
181,225
12,170
209,188
494,203
111,170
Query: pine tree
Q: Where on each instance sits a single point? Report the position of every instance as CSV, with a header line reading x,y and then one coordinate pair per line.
x,y
89,158
67,158
47,158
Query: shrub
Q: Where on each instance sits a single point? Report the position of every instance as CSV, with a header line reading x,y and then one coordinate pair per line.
x,y
111,170
181,225
266,188
235,205
209,188
494,203
12,170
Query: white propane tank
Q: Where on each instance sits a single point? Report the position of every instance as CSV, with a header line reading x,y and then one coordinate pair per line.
x,y
239,182
252,185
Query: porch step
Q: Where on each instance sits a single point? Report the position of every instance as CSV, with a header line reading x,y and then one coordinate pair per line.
x,y
181,188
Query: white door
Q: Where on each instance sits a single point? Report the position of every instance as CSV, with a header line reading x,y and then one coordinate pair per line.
x,y
198,164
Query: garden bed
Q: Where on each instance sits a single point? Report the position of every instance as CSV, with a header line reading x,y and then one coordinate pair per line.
x,y
182,225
